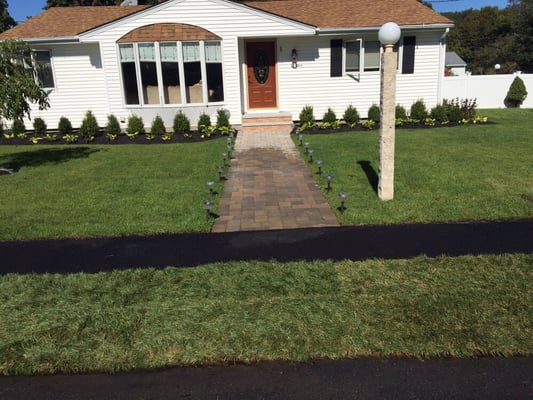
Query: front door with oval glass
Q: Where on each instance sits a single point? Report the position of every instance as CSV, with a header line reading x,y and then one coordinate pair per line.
x,y
261,71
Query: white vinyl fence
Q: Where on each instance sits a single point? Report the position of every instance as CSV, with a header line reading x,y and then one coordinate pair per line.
x,y
489,90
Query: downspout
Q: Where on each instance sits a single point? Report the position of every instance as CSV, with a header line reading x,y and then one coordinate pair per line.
x,y
442,62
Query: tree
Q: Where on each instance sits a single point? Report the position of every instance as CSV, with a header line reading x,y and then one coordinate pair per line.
x,y
523,33
19,86
6,21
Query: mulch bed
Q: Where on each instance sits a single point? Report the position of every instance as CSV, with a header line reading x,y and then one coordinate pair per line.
x,y
195,136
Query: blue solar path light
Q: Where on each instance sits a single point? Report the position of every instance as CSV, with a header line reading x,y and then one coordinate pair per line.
x,y
342,197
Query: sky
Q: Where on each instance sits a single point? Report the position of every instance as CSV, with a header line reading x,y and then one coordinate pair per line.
x,y
21,9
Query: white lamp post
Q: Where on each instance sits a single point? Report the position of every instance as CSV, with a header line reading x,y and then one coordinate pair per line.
x,y
388,35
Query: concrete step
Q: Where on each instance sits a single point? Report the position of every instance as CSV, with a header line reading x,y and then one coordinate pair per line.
x,y
261,122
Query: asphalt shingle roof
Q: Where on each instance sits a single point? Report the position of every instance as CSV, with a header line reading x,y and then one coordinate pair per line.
x,y
72,21
68,21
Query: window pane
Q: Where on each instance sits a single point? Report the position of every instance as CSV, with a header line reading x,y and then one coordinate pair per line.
x,y
353,53
193,82
215,87
129,81
372,56
44,69
169,52
213,52
126,53
171,82
191,51
146,52
149,83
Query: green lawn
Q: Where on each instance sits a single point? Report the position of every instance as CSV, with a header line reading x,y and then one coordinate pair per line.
x,y
100,190
472,172
250,311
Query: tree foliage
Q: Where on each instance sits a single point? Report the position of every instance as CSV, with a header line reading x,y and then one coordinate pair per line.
x,y
19,87
6,20
490,36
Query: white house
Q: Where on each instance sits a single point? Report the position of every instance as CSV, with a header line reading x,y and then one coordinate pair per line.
x,y
249,57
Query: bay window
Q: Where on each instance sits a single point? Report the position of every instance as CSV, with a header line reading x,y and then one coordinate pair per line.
x,y
188,72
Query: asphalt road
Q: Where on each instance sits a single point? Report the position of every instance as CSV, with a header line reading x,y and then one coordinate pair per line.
x,y
483,378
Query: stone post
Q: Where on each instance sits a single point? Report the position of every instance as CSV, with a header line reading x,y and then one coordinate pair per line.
x,y
387,127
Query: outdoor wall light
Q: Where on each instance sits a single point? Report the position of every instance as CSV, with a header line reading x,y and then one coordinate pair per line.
x,y
329,178
208,204
306,144
342,196
294,58
310,152
210,186
319,165
224,157
220,168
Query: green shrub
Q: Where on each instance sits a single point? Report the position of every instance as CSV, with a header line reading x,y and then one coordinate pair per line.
x,y
329,116
39,126
307,116
89,126
418,111
135,125
374,113
400,112
517,93
64,126
439,114
222,119
204,121
18,126
158,126
351,116
182,125
453,111
113,126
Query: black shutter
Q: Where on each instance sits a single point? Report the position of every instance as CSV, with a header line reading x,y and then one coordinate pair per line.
x,y
408,63
336,58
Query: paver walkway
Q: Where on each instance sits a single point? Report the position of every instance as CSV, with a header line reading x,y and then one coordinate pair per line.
x,y
270,187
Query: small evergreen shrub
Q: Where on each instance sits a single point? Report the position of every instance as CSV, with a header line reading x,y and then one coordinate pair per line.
x,y
453,111
113,126
374,113
329,116
135,125
351,116
439,114
307,116
39,126
64,126
89,126
400,112
158,126
204,121
18,127
517,93
418,111
222,119
182,125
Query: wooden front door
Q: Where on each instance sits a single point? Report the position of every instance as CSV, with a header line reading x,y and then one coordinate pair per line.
x,y
262,81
